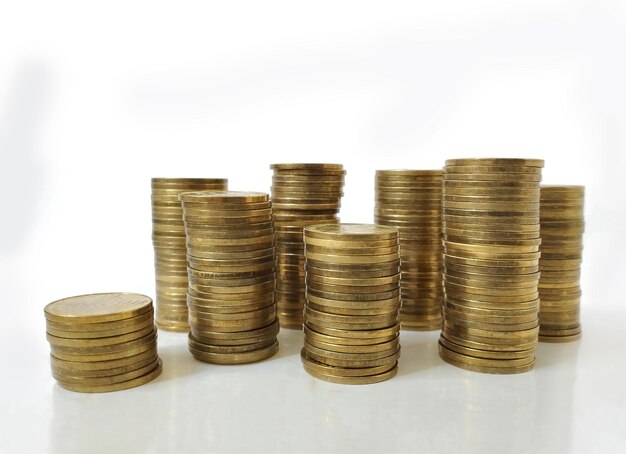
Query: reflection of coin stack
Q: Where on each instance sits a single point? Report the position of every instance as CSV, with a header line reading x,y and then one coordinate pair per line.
x,y
353,298
302,195
231,265
168,237
411,201
491,263
102,342
562,226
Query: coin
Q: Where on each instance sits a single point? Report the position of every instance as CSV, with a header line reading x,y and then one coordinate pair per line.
x,y
98,307
102,342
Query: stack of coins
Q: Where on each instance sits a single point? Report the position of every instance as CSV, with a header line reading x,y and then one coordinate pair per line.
x,y
168,237
562,227
351,326
302,195
411,201
102,342
491,264
231,266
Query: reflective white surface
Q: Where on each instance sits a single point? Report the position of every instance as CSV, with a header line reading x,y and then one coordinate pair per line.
x,y
574,401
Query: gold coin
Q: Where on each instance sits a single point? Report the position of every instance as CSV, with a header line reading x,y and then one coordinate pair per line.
x,y
156,182
100,352
80,343
351,380
517,335
367,282
344,372
97,308
107,379
223,198
353,304
235,358
447,353
484,369
78,367
348,289
352,259
359,363
374,349
308,166
356,334
560,339
350,232
314,335
86,330
508,162
115,386
235,338
487,354
230,349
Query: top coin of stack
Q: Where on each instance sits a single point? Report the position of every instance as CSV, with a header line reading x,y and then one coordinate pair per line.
x,y
102,342
491,263
302,195
411,201
351,324
168,237
562,227
231,265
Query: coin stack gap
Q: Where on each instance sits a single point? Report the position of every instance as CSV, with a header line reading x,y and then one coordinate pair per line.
x,y
302,195
168,237
411,201
232,276
491,239
562,227
351,326
102,342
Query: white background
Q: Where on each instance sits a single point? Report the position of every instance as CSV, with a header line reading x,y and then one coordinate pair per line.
x,y
96,98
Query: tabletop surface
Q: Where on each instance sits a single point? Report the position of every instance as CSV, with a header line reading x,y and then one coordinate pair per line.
x,y
574,401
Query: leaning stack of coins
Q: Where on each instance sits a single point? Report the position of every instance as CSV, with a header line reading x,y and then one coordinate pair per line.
x,y
231,266
491,264
411,201
562,227
102,342
168,237
351,326
302,195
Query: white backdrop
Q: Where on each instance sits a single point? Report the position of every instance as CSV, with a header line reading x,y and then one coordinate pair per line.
x,y
96,98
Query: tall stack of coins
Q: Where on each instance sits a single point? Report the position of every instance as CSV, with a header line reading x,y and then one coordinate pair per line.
x,y
351,327
231,266
102,342
168,237
562,227
302,195
411,201
491,264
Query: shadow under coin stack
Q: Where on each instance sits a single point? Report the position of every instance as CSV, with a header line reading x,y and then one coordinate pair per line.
x,y
168,238
562,227
411,201
302,195
231,266
491,264
102,342
351,327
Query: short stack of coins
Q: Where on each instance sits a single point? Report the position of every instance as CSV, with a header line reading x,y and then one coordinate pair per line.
x,y
231,268
302,195
102,342
411,201
351,325
562,227
491,264
168,237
